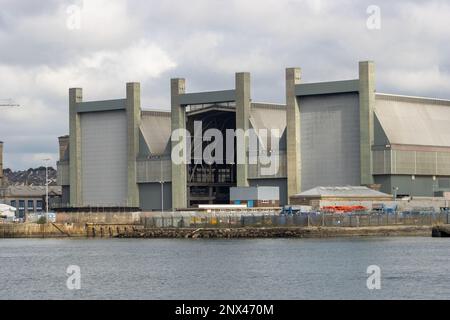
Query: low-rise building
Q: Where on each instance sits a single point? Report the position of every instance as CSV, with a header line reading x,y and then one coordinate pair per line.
x,y
255,196
31,199
320,197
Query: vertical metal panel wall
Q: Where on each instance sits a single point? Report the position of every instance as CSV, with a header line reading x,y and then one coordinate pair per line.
x,y
104,158
330,137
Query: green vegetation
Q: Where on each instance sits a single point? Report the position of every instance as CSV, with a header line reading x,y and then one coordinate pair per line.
x,y
42,220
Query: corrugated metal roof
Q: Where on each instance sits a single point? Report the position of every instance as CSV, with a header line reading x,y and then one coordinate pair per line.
x,y
268,116
31,191
414,120
156,129
346,191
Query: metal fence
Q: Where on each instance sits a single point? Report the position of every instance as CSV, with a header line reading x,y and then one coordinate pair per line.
x,y
302,220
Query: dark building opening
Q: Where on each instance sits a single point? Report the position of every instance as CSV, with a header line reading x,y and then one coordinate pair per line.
x,y
210,183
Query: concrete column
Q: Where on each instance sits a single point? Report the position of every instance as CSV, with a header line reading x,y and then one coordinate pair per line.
x,y
63,145
179,171
243,104
294,174
76,197
133,109
366,114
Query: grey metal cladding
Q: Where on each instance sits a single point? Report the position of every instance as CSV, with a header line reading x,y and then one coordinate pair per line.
x,y
280,183
150,196
207,97
243,193
104,158
345,86
105,105
268,193
330,137
414,121
380,137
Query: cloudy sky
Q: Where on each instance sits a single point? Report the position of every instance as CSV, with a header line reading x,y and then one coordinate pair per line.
x,y
45,49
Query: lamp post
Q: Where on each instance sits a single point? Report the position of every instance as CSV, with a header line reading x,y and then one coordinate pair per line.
x,y
395,189
162,184
46,188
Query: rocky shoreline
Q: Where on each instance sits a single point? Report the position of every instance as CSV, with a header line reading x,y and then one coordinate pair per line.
x,y
106,231
289,232
442,231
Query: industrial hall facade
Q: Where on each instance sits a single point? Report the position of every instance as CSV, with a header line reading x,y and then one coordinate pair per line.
x,y
339,133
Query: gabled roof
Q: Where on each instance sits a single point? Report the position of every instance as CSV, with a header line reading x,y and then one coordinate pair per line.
x,y
31,191
413,120
345,191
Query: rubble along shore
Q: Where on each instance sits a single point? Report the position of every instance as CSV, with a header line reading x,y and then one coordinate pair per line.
x,y
105,231
288,232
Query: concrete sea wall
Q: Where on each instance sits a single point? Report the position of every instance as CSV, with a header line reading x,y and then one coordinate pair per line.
x,y
31,230
290,232
66,230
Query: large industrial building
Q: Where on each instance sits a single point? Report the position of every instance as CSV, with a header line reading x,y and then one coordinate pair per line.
x,y
332,134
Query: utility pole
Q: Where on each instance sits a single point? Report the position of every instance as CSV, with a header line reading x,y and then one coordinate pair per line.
x,y
4,103
46,188
8,103
162,184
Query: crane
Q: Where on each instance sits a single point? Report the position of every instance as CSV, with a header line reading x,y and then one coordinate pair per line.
x,y
8,103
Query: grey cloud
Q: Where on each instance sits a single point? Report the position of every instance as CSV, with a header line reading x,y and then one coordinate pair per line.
x,y
207,41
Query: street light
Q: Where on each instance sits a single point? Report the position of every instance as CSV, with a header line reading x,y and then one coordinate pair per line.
x,y
395,189
46,188
162,185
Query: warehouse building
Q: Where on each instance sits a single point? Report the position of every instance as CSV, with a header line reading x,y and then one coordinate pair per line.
x,y
340,196
255,197
330,134
31,199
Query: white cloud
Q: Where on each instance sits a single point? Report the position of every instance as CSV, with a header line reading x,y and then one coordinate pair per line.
x,y
418,81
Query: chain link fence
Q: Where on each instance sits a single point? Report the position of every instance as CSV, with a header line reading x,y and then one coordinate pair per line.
x,y
302,220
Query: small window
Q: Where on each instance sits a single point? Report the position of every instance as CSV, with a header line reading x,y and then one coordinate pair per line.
x,y
30,205
21,209
39,205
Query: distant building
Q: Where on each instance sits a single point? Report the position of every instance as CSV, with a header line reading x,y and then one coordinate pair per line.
x,y
27,199
346,195
255,196
332,134
31,199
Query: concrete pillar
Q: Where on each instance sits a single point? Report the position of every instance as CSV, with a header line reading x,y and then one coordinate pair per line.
x,y
179,171
293,77
133,109
75,96
63,145
366,114
243,103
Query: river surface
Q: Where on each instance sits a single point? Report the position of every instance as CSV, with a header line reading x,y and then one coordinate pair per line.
x,y
411,268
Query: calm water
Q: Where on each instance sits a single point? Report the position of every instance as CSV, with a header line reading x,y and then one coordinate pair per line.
x,y
412,268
